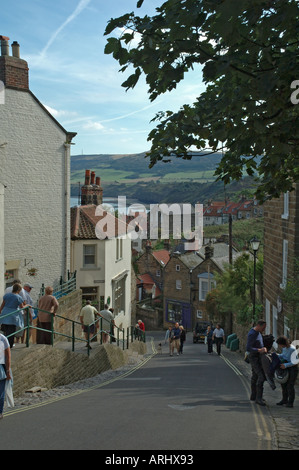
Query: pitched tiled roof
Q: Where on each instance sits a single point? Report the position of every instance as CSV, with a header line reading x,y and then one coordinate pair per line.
x,y
245,205
162,256
84,221
147,281
231,208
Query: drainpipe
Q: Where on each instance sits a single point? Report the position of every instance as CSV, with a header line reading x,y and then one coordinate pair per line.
x,y
67,158
2,286
2,254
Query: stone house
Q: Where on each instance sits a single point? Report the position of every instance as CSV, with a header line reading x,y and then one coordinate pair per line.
x,y
178,290
34,182
218,212
281,249
153,262
188,278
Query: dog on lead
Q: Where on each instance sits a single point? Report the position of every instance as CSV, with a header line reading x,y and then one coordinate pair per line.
x,y
159,348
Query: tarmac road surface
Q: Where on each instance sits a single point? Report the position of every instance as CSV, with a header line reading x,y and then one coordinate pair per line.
x,y
194,401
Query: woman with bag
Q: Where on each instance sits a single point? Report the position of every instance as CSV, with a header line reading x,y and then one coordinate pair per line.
x,y
289,362
5,363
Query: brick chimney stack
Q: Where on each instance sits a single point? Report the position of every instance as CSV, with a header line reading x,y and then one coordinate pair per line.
x,y
91,192
13,70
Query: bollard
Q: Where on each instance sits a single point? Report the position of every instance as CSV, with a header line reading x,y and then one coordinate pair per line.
x,y
229,339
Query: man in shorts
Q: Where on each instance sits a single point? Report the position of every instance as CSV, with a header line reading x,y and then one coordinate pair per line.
x,y
87,318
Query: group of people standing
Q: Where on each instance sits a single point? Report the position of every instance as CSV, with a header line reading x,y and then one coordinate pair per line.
x,y
216,336
12,321
88,317
264,363
175,336
139,330
17,309
12,317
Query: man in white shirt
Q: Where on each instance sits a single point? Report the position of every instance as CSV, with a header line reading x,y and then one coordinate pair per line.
x,y
218,337
87,318
108,318
27,297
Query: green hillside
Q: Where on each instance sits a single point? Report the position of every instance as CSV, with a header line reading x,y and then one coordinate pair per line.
x,y
177,181
133,168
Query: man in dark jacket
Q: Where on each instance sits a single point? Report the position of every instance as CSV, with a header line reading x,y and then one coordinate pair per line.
x,y
175,338
255,347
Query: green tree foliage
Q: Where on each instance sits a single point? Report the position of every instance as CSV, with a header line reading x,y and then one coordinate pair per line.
x,y
248,52
234,291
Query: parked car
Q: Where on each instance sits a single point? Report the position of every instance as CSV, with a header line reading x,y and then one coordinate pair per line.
x,y
199,332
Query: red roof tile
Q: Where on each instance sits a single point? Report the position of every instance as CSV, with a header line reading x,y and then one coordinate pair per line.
x,y
162,256
84,221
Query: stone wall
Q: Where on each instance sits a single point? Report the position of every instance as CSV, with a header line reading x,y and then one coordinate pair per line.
x,y
48,367
152,318
280,227
69,307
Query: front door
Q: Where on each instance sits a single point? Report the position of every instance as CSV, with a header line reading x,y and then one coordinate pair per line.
x,y
186,316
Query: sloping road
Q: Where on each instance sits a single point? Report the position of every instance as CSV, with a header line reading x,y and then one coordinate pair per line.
x,y
194,401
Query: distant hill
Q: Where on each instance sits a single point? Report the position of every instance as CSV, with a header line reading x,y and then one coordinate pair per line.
x,y
134,167
176,181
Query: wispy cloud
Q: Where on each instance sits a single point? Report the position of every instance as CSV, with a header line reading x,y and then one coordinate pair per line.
x,y
129,114
80,7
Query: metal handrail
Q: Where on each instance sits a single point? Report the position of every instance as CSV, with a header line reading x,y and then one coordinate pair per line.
x,y
118,340
62,287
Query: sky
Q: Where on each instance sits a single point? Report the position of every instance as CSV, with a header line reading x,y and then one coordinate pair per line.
x,y
63,43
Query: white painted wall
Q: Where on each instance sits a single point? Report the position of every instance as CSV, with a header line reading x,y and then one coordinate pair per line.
x,y
107,268
35,169
115,268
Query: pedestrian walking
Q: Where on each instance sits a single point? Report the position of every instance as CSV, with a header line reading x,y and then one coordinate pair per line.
x,y
182,338
218,337
175,339
209,336
108,318
167,338
255,347
288,363
87,318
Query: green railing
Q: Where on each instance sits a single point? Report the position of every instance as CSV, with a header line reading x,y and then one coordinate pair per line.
x,y
62,287
120,336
